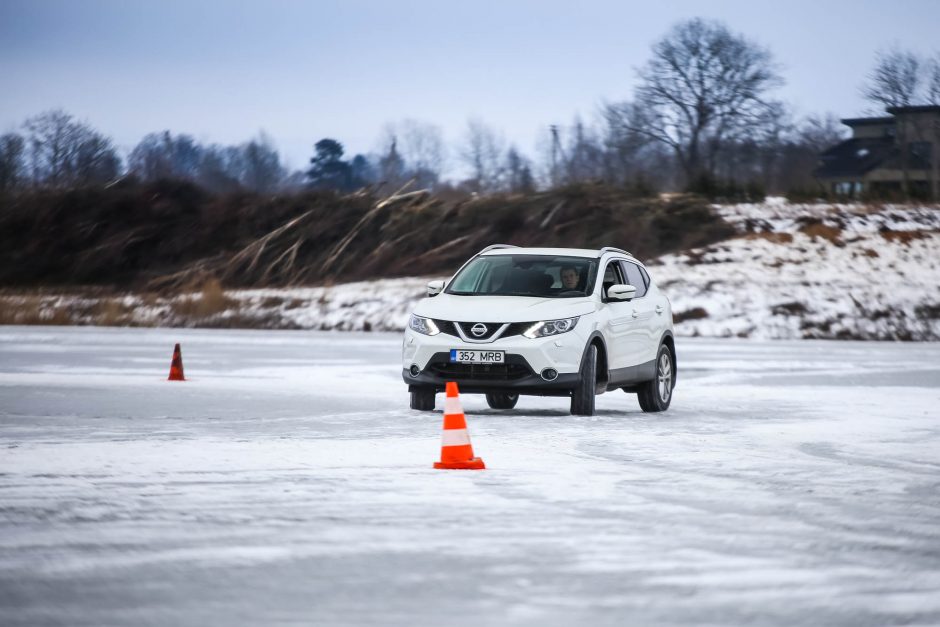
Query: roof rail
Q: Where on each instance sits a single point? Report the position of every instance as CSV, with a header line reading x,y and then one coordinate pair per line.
x,y
495,246
611,249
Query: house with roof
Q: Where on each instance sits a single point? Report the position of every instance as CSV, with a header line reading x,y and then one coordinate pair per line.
x,y
897,155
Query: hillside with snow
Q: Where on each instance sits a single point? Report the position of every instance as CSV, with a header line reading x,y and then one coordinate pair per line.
x,y
792,271
812,271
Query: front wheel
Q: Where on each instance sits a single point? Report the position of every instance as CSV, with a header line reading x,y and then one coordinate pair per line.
x,y
501,400
656,394
422,399
582,398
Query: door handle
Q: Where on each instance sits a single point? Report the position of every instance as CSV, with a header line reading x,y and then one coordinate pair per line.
x,y
635,314
659,309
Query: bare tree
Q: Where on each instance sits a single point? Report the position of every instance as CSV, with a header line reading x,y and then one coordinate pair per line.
x,y
519,179
66,152
896,79
51,139
95,160
421,147
703,85
632,158
584,155
392,170
12,163
482,152
933,81
261,165
819,132
163,155
218,169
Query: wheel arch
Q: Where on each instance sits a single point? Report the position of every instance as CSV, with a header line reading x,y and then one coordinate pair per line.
x,y
670,341
603,364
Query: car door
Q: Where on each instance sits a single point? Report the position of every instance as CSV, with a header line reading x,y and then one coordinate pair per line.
x,y
644,339
621,323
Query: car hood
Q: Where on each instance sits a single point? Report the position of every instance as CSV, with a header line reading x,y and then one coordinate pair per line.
x,y
502,308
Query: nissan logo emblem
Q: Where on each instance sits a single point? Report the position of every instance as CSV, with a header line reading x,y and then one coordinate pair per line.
x,y
479,329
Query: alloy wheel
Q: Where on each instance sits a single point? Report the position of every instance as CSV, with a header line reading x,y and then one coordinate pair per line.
x,y
664,377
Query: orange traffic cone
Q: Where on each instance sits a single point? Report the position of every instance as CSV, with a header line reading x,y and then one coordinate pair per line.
x,y
176,366
456,451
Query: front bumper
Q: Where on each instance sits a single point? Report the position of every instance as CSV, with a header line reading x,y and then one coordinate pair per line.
x,y
525,359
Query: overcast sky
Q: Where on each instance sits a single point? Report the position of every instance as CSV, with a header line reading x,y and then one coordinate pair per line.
x,y
224,70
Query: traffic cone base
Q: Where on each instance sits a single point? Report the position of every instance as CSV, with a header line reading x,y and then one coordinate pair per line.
x,y
456,451
471,464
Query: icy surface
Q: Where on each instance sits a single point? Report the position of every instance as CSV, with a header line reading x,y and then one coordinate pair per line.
x,y
286,482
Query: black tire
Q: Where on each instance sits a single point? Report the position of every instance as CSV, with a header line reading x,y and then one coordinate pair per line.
x,y
656,394
501,400
582,398
422,399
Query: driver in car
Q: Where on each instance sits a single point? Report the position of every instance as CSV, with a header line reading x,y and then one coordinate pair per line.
x,y
570,277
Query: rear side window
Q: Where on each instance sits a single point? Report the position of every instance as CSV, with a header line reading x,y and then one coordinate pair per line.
x,y
635,278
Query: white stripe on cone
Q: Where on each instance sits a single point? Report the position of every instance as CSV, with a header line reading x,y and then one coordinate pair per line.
x,y
452,406
454,437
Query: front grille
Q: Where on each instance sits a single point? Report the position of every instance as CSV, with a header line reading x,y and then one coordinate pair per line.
x,y
446,327
449,328
515,367
491,328
479,372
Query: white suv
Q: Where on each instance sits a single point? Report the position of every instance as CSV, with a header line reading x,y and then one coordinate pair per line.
x,y
543,321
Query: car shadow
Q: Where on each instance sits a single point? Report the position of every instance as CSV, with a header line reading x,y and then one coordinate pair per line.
x,y
553,413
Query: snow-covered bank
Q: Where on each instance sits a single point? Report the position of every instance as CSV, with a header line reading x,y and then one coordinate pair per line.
x,y
812,271
794,271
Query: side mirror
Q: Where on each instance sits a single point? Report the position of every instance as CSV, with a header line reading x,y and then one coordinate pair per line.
x,y
621,292
435,288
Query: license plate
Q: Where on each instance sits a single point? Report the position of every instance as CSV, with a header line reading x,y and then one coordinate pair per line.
x,y
477,357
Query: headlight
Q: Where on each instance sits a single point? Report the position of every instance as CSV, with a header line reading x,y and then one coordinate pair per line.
x,y
551,327
423,325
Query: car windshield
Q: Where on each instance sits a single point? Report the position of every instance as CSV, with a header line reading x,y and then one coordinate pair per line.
x,y
539,276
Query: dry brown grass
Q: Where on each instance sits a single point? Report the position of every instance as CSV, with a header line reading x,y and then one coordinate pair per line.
x,y
209,302
832,234
32,310
696,313
111,312
903,237
776,238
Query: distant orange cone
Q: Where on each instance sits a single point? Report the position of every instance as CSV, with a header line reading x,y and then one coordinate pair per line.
x,y
176,366
456,451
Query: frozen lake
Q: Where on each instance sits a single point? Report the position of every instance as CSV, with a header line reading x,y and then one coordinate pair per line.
x,y
287,482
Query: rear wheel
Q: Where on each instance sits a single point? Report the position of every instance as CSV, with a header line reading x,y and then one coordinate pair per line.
x,y
501,400
422,399
656,394
582,398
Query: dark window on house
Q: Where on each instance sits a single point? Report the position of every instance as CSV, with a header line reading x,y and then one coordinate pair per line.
x,y
920,154
634,278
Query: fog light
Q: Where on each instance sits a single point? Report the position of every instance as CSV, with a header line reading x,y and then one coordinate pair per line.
x,y
414,370
549,374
